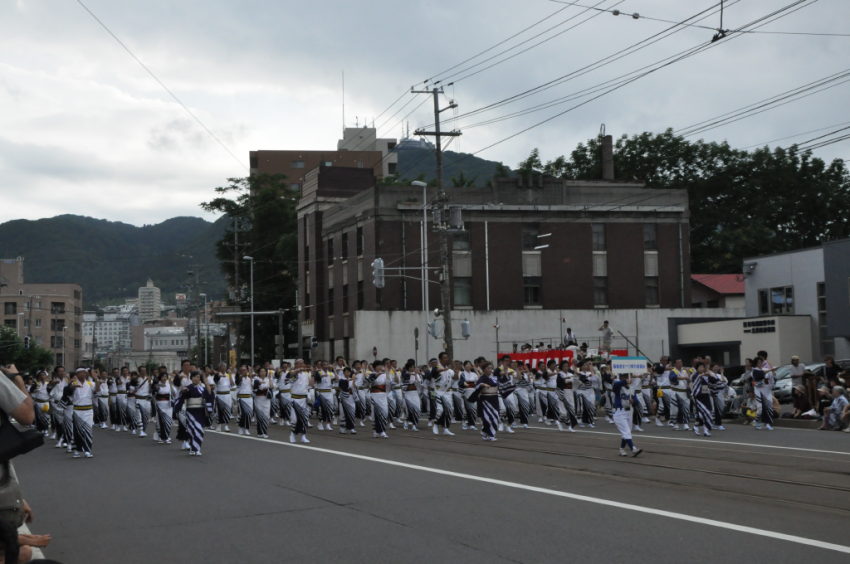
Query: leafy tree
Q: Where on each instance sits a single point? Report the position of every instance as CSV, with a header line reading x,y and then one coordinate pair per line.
x,y
266,204
462,181
12,351
742,203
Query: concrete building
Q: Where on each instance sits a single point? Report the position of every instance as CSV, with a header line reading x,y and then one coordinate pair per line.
x,y
106,333
50,313
366,139
717,290
150,302
296,165
813,282
138,332
540,244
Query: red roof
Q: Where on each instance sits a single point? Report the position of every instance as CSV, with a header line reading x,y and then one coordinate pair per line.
x,y
721,283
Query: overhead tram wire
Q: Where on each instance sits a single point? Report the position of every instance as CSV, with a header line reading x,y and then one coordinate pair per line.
x,y
758,22
763,143
223,146
643,17
786,97
593,66
523,43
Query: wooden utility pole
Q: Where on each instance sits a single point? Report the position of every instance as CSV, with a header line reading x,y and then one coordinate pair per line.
x,y
442,201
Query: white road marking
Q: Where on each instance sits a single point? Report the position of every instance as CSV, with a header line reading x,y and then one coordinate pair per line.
x,y
609,503
710,441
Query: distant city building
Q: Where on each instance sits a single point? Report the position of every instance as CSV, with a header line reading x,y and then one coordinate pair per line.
x,y
366,139
108,333
49,313
150,302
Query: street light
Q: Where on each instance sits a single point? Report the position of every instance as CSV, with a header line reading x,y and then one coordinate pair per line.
x,y
251,260
207,328
425,289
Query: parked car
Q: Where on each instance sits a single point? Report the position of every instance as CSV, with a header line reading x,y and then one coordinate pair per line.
x,y
784,384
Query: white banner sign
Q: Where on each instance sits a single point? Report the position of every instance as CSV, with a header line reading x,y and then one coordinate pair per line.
x,y
628,364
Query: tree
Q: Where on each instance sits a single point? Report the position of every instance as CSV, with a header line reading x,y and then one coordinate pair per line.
x,y
12,351
462,181
266,204
741,203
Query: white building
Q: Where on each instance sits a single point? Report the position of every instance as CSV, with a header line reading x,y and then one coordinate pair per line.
x,y
366,139
111,331
150,302
167,339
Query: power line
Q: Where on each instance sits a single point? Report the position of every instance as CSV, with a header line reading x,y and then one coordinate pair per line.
x,y
163,86
642,17
795,135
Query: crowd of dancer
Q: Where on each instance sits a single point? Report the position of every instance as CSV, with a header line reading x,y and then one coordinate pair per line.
x,y
479,395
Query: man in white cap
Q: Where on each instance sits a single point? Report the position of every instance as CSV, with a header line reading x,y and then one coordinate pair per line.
x,y
797,370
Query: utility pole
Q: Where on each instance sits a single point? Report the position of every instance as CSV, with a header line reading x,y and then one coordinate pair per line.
x,y
237,256
442,201
298,321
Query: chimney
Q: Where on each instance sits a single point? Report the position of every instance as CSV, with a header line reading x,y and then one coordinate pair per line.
x,y
607,157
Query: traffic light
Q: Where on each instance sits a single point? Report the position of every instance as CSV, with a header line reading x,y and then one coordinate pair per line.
x,y
432,329
465,329
27,342
378,272
314,343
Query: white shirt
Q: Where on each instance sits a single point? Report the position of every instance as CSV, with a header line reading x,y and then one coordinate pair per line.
x,y
300,383
246,386
224,384
83,394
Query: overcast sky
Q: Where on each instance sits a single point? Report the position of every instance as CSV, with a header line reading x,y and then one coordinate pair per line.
x,y
85,130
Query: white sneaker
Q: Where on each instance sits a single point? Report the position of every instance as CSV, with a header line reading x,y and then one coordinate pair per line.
x,y
501,427
76,455
769,428
756,425
474,428
321,428
560,426
592,426
638,429
241,431
291,437
687,428
571,430
375,435
721,428
404,426
59,444
513,425
184,446
696,430
335,421
134,432
414,428
547,423
143,434
353,432
707,434
676,428
384,436
525,426
659,423
191,453
623,452
463,427
670,424
447,432
304,439
509,430
436,429
168,441
198,453
362,424
247,432
608,419
430,423
391,426
645,420
226,428
540,420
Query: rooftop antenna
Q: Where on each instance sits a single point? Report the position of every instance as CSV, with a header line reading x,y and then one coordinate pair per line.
x,y
343,102
356,121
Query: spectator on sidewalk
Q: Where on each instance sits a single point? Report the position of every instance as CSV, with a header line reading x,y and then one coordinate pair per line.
x,y
749,409
797,369
833,414
15,402
607,337
801,402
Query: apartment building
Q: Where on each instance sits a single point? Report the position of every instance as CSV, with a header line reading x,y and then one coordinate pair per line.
x,y
150,302
51,314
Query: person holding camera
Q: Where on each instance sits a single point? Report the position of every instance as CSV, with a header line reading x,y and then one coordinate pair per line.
x,y
16,403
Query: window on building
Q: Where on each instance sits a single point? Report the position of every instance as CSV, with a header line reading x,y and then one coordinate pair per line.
x,y
26,322
530,231
11,323
360,294
57,307
306,247
295,186
392,168
390,145
330,256
345,298
531,289
297,164
37,305
76,327
307,306
652,297
782,300
10,308
764,307
360,242
38,323
57,324
327,163
345,246
461,241
650,237
55,342
598,230
827,344
600,290
331,303
76,343
462,291
26,306
712,304
77,295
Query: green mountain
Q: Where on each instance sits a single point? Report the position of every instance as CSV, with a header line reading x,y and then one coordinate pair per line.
x,y
413,162
111,260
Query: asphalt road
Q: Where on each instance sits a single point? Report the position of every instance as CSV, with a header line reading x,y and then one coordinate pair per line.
x,y
537,496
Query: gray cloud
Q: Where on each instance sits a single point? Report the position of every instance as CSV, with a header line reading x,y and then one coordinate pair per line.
x,y
81,114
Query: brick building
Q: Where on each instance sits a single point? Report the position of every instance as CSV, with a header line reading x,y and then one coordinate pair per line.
x,y
52,314
605,244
